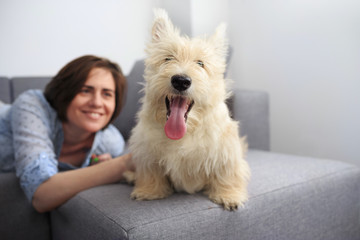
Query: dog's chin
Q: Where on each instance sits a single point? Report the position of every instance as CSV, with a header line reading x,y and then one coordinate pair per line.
x,y
178,108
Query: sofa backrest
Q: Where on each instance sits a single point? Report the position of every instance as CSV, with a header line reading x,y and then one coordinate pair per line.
x,y
126,120
21,84
5,90
251,108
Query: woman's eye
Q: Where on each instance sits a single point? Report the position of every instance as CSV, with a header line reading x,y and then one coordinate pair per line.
x,y
84,90
200,63
108,94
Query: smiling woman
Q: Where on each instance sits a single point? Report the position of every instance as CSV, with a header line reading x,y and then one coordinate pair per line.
x,y
92,108
72,79
62,128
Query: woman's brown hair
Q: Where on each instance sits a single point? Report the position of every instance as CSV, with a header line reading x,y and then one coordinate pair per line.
x,y
62,89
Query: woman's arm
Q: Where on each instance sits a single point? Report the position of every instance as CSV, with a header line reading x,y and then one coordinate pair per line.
x,y
64,185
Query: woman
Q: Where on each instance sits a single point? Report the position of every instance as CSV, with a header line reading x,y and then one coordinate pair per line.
x,y
43,134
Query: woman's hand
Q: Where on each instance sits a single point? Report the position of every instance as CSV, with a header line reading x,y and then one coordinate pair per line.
x,y
95,159
129,169
126,159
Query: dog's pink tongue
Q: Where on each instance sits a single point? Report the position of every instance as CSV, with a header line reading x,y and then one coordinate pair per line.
x,y
175,127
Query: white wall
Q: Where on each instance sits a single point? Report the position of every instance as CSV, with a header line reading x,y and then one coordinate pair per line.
x,y
206,19
38,37
305,53
196,17
180,13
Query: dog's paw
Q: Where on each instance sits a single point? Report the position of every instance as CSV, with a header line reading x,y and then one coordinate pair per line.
x,y
145,194
230,204
129,177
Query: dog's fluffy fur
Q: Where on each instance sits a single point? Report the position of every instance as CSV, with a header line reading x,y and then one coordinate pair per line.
x,y
210,155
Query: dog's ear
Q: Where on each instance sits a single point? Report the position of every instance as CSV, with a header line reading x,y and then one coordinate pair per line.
x,y
162,25
219,40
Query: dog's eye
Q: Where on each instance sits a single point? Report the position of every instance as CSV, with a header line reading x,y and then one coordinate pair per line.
x,y
169,58
200,63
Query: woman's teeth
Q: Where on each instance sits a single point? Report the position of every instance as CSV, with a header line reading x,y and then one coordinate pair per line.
x,y
94,115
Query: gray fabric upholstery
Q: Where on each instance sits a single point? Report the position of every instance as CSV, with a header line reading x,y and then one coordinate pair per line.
x,y
126,119
5,91
290,198
18,220
20,84
251,108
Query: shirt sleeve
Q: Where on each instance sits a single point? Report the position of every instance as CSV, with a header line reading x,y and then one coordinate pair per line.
x,y
110,141
32,126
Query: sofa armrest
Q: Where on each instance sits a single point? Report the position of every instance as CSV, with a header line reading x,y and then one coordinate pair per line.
x,y
251,108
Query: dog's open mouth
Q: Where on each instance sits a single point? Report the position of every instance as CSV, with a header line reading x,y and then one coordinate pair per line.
x,y
178,108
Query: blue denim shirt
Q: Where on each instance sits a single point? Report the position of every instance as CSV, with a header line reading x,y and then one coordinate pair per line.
x,y
31,138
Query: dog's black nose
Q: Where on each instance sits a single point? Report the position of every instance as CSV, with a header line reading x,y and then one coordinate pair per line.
x,y
180,82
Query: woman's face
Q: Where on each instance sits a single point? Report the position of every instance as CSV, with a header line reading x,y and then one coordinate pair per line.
x,y
92,108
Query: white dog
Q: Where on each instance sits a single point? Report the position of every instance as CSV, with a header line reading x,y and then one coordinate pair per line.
x,y
185,138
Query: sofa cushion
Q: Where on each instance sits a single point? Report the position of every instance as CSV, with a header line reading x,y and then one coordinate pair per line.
x,y
126,119
19,220
251,108
290,198
21,84
5,92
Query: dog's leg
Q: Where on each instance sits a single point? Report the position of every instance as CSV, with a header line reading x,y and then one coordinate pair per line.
x,y
151,184
230,190
230,197
129,177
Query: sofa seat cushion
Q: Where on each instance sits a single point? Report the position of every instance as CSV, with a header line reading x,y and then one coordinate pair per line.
x,y
291,197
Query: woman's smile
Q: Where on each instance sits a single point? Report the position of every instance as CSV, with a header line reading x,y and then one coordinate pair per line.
x,y
93,115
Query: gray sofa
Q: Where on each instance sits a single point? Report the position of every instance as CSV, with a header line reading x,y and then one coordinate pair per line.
x,y
291,197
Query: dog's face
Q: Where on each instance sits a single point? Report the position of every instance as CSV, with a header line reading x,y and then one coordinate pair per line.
x,y
184,77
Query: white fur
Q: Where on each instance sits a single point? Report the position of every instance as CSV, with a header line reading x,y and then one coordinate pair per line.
x,y
210,156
